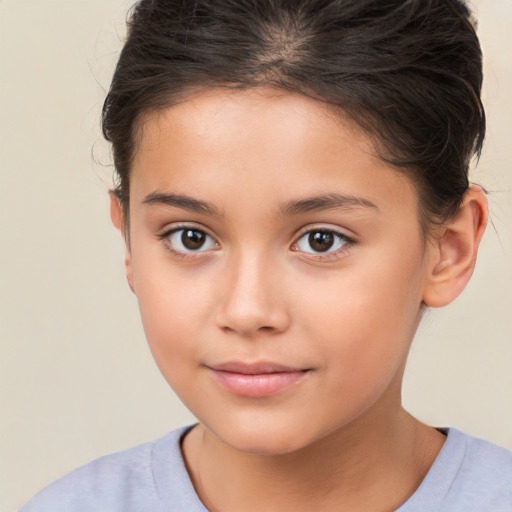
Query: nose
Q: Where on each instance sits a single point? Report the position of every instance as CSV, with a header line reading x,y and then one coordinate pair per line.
x,y
253,299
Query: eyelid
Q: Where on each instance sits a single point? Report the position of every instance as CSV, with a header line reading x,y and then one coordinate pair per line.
x,y
176,226
345,233
350,241
164,235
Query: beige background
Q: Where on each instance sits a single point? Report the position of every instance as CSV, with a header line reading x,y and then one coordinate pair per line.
x,y
76,379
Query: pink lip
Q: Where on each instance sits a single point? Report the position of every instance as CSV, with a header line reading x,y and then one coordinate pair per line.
x,y
256,380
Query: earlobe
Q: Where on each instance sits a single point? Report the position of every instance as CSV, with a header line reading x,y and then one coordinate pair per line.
x,y
117,216
454,251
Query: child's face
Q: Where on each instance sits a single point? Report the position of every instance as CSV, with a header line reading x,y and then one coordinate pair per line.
x,y
294,251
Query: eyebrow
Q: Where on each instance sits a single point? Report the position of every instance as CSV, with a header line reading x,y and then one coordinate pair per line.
x,y
325,202
300,206
181,201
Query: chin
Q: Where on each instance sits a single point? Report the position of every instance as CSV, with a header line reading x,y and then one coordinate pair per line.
x,y
268,445
263,438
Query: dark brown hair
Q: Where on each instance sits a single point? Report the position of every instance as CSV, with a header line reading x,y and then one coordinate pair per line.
x,y
408,71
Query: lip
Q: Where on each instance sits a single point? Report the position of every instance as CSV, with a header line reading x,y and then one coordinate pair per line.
x,y
256,380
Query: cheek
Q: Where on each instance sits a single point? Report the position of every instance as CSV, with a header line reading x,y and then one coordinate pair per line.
x,y
365,320
175,306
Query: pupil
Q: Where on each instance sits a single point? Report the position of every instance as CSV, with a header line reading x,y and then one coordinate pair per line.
x,y
321,241
193,239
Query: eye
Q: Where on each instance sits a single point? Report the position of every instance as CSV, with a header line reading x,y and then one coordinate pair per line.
x,y
321,241
189,240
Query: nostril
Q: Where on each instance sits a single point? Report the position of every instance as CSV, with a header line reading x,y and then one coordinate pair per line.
x,y
242,330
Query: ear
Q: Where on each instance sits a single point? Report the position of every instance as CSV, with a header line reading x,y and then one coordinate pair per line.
x,y
452,257
117,216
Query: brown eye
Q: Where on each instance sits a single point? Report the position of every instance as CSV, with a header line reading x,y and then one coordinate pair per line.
x,y
188,240
321,241
193,239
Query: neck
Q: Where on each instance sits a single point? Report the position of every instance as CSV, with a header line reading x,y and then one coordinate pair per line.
x,y
358,468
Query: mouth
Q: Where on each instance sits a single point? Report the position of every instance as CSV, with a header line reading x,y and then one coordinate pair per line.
x,y
256,380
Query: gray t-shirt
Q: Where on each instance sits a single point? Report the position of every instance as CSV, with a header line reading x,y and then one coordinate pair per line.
x,y
469,475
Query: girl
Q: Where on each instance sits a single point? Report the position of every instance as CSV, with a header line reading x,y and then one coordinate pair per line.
x,y
293,194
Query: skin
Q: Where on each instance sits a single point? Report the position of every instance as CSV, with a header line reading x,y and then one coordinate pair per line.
x,y
338,438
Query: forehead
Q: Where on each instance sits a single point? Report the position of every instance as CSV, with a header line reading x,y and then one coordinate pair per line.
x,y
257,141
213,116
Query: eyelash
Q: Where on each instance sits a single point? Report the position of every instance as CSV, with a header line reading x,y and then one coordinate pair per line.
x,y
339,237
166,239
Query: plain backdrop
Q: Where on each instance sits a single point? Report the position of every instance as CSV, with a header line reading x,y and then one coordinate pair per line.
x,y
76,378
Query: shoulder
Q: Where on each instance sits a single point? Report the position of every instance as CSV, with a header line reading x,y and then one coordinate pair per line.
x,y
485,455
485,474
469,475
122,481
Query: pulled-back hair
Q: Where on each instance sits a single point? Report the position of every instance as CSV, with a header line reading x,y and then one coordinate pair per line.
x,y
409,72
